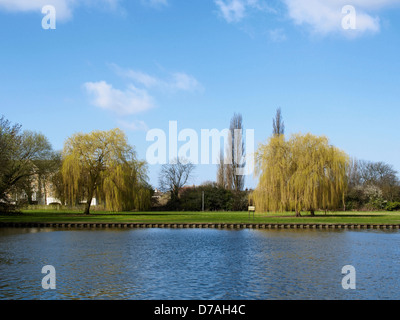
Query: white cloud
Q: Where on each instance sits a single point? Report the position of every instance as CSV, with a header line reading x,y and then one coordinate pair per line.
x,y
325,16
130,101
178,81
235,10
321,16
64,8
277,35
136,99
155,3
138,77
231,10
135,125
184,82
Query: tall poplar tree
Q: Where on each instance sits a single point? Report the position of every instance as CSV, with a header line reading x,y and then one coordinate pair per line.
x,y
227,171
277,123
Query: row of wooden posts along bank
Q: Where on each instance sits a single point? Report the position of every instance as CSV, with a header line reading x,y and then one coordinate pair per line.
x,y
100,225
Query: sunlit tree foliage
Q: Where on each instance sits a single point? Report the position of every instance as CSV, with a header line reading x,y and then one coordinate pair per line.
x,y
102,164
21,154
302,173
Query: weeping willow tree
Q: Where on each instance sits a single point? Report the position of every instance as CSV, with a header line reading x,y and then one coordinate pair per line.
x,y
103,164
302,173
125,188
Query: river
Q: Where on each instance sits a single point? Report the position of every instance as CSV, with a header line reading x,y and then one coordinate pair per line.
x,y
205,264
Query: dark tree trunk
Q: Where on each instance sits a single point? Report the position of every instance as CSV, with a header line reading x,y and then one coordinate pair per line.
x,y
87,207
298,213
312,212
29,196
89,201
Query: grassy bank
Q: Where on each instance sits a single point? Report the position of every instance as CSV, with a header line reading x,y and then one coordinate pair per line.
x,y
202,217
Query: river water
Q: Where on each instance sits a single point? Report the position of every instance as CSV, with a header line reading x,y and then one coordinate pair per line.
x,y
206,264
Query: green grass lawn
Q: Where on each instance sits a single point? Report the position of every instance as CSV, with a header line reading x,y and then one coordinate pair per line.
x,y
202,217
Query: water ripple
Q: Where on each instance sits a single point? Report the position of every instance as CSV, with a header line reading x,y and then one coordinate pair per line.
x,y
171,264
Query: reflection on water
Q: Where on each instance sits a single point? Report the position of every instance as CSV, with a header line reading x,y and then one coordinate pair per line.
x,y
198,264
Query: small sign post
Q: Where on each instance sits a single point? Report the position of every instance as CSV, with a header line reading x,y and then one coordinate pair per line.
x,y
251,209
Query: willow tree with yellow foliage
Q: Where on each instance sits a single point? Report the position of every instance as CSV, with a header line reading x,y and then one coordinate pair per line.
x,y
102,164
303,173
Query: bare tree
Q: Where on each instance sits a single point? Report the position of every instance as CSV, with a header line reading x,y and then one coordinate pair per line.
x,y
278,124
173,176
353,173
363,174
237,151
221,171
228,169
378,173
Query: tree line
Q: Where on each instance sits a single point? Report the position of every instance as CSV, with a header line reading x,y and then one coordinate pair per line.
x,y
100,165
23,154
306,173
299,173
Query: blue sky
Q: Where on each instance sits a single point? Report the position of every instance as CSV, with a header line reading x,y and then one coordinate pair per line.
x,y
139,64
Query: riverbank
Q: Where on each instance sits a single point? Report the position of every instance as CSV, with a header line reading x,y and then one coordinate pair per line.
x,y
91,225
75,217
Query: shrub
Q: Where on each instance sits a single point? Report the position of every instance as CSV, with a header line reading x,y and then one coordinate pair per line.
x,y
376,200
355,198
8,208
392,206
216,198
